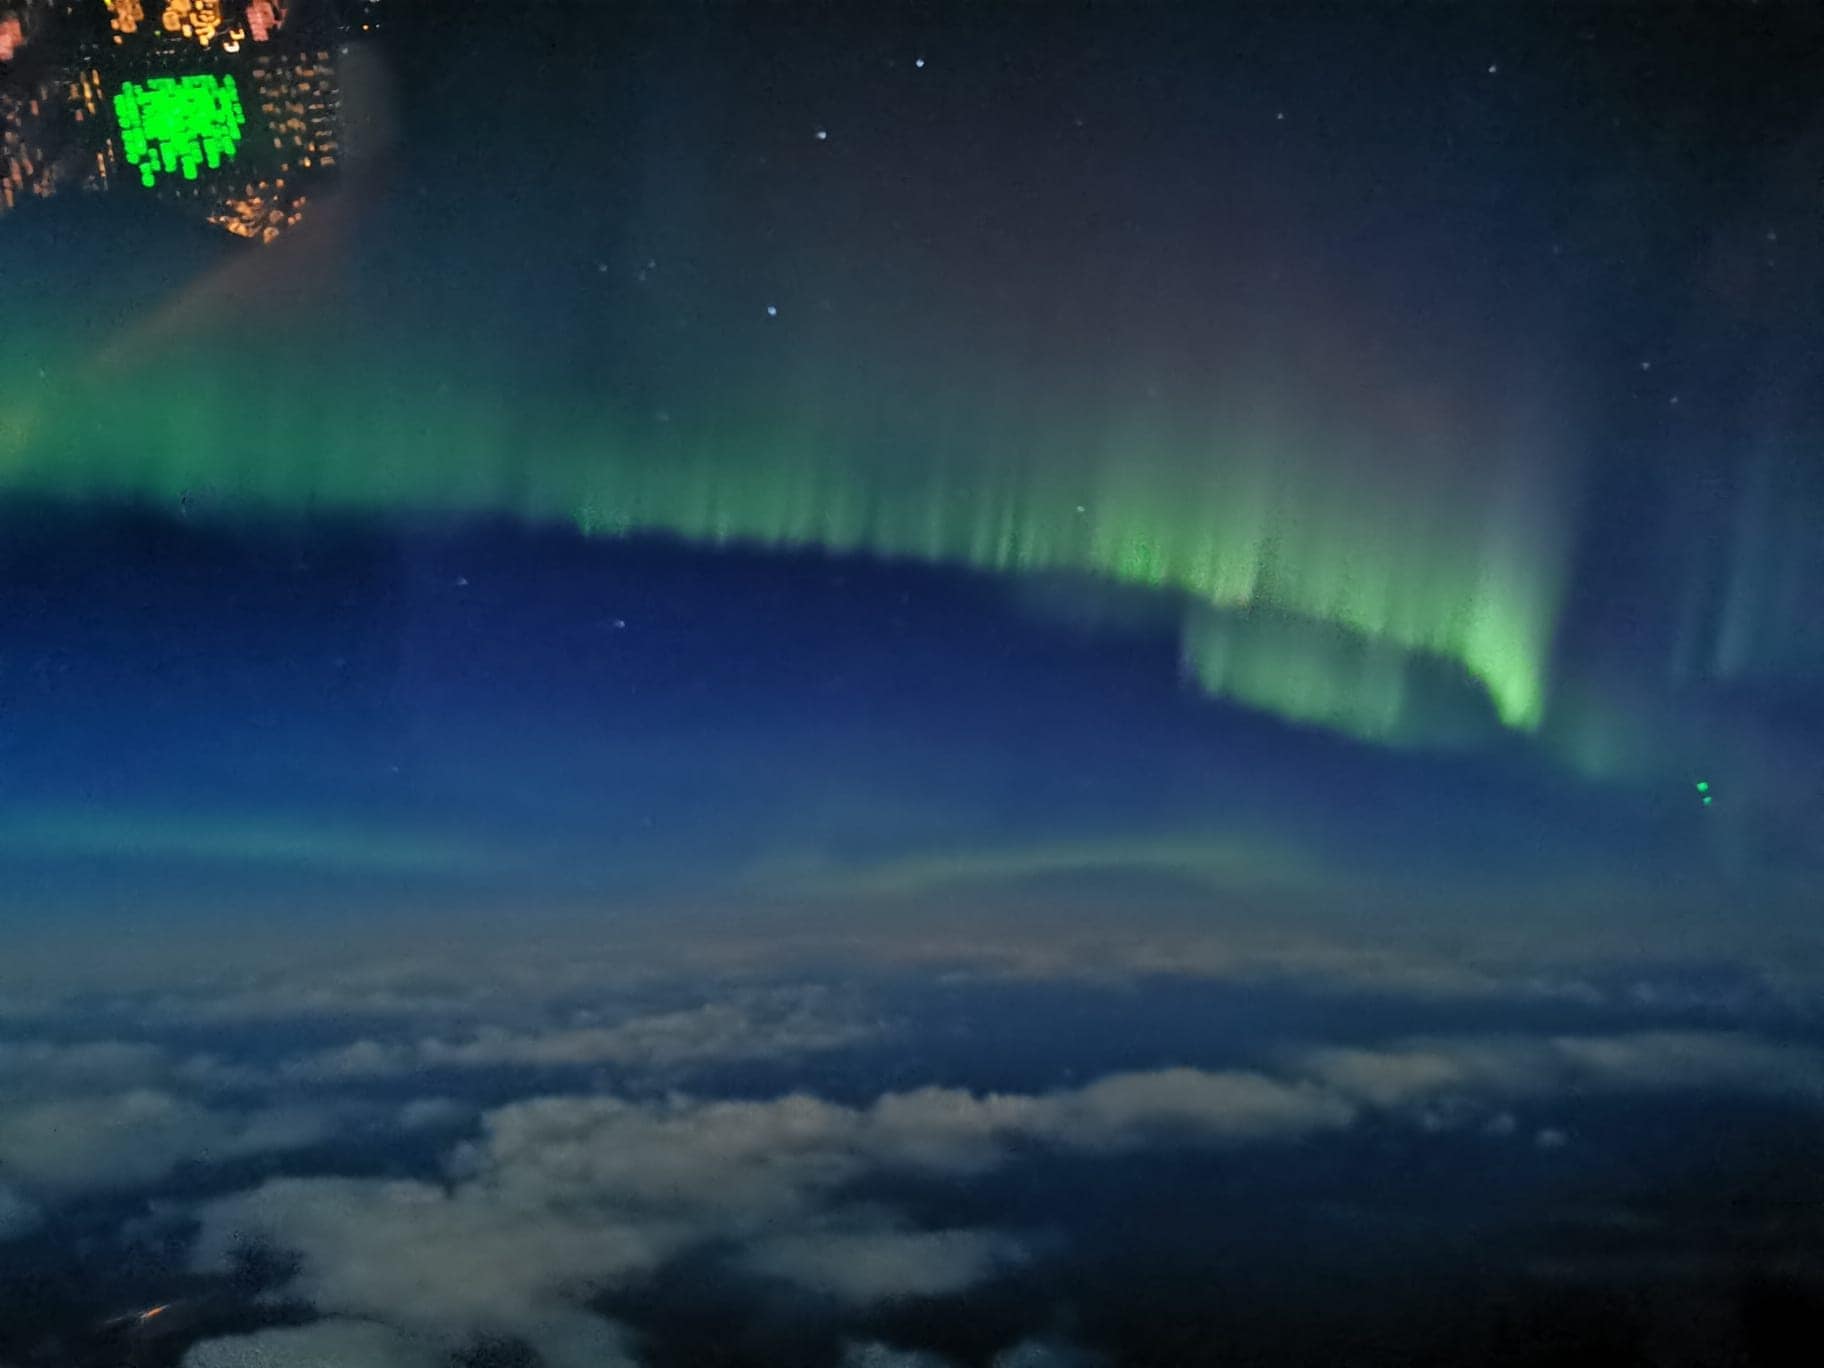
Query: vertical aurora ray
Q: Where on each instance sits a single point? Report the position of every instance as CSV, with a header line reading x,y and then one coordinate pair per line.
x,y
1744,568
1767,623
1333,572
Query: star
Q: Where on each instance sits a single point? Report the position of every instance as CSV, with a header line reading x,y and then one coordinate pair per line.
x,y
919,62
772,311
823,135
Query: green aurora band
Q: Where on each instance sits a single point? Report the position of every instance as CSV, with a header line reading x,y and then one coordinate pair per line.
x,y
1334,568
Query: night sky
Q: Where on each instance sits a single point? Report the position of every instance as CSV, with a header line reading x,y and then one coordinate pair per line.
x,y
1242,579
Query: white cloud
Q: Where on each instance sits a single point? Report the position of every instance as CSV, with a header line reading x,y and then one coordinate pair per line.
x,y
873,1354
1045,1353
443,979
748,1027
129,1139
425,1256
48,1068
51,1068
1388,1078
563,1196
736,1165
115,1114
869,1266
1697,1060
1646,1061
949,1129
343,1343
574,1339
712,1033
36,1066
1132,1109
557,1198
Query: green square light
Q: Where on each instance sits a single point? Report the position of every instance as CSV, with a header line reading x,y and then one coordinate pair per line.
x,y
179,123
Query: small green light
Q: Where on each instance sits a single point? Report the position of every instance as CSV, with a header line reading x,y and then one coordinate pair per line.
x,y
180,123
1706,800
1703,786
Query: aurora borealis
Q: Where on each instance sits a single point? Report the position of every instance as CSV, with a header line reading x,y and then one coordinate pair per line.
x,y
1369,508
1305,525
1368,513
929,685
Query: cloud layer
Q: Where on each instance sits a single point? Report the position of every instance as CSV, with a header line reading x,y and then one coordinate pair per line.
x,y
564,1196
566,1145
345,1343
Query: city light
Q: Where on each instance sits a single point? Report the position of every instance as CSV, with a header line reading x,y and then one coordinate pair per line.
x,y
179,123
224,110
